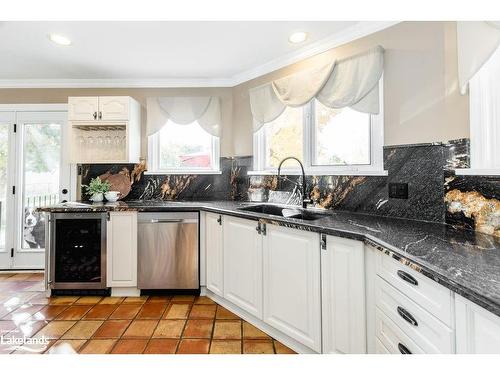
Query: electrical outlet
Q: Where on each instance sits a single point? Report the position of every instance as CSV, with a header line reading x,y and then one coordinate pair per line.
x,y
398,190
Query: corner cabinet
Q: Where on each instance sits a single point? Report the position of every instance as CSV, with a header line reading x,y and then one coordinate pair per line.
x,y
104,129
122,249
477,330
343,295
214,253
243,264
292,300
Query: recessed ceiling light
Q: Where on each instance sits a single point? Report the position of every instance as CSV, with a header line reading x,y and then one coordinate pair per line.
x,y
59,39
297,37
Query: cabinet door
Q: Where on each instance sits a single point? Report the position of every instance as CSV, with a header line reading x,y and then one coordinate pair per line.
x,y
114,108
477,330
122,249
214,253
83,108
343,296
243,264
292,284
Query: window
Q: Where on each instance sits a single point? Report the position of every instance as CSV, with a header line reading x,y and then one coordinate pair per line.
x,y
327,141
484,97
183,149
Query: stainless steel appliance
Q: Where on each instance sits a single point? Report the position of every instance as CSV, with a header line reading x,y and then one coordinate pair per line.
x,y
168,251
76,251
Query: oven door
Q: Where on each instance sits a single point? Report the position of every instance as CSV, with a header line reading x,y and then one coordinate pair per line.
x,y
77,250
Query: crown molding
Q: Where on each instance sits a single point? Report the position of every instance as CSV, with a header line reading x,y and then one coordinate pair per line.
x,y
345,36
115,83
342,37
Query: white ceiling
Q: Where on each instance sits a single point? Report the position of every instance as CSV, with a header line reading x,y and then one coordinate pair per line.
x,y
135,53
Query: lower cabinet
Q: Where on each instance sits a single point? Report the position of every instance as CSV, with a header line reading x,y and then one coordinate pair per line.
x,y
214,253
477,330
122,249
243,264
292,298
343,295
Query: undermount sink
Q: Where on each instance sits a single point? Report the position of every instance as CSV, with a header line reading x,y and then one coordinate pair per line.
x,y
285,211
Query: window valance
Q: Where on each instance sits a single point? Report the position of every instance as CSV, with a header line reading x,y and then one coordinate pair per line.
x,y
183,111
351,82
476,42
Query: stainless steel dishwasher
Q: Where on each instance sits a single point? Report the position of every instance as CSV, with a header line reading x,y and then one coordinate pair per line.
x,y
168,251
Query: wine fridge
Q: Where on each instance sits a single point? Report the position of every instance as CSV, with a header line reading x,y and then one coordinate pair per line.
x,y
76,256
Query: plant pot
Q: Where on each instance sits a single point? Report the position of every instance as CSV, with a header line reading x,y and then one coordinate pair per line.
x,y
97,197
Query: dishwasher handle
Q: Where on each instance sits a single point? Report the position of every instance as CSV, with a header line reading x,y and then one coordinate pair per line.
x,y
168,221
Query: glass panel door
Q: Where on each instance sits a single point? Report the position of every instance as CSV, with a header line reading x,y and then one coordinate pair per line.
x,y
6,197
42,176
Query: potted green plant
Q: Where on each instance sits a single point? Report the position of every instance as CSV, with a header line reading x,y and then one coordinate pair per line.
x,y
96,188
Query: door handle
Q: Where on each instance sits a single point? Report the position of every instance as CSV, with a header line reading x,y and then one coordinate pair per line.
x,y
166,221
258,228
407,277
407,316
403,349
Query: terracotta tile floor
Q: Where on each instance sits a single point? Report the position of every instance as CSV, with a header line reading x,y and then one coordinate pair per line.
x,y
134,325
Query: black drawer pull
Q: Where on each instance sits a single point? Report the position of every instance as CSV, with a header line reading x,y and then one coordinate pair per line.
x,y
407,277
407,316
403,349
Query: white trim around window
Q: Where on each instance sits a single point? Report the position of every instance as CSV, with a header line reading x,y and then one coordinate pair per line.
x,y
375,168
484,102
154,160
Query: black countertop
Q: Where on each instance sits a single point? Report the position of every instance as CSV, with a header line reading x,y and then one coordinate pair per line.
x,y
466,262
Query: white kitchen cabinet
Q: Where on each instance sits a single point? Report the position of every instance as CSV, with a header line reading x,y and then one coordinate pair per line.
x,y
83,108
214,253
99,108
477,330
114,108
122,249
243,264
292,297
343,295
104,129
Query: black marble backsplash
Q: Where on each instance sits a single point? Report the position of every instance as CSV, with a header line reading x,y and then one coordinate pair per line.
x,y
426,168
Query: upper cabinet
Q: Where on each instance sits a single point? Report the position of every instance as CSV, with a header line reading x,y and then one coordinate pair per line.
x,y
83,108
104,129
113,108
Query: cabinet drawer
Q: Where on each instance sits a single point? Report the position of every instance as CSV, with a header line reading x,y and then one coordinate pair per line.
x,y
431,296
391,339
380,348
425,330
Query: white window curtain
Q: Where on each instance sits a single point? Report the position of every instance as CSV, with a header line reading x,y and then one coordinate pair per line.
x,y
183,111
351,82
476,42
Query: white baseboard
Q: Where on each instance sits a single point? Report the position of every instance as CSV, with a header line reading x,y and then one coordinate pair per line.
x,y
273,332
125,292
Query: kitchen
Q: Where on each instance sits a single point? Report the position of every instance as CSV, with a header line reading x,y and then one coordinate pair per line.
x,y
336,194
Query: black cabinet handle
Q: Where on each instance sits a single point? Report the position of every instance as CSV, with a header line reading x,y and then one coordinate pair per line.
x,y
258,229
219,220
100,115
407,277
95,115
403,349
407,316
64,191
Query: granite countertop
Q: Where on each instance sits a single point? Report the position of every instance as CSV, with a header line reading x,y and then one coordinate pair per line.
x,y
464,261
